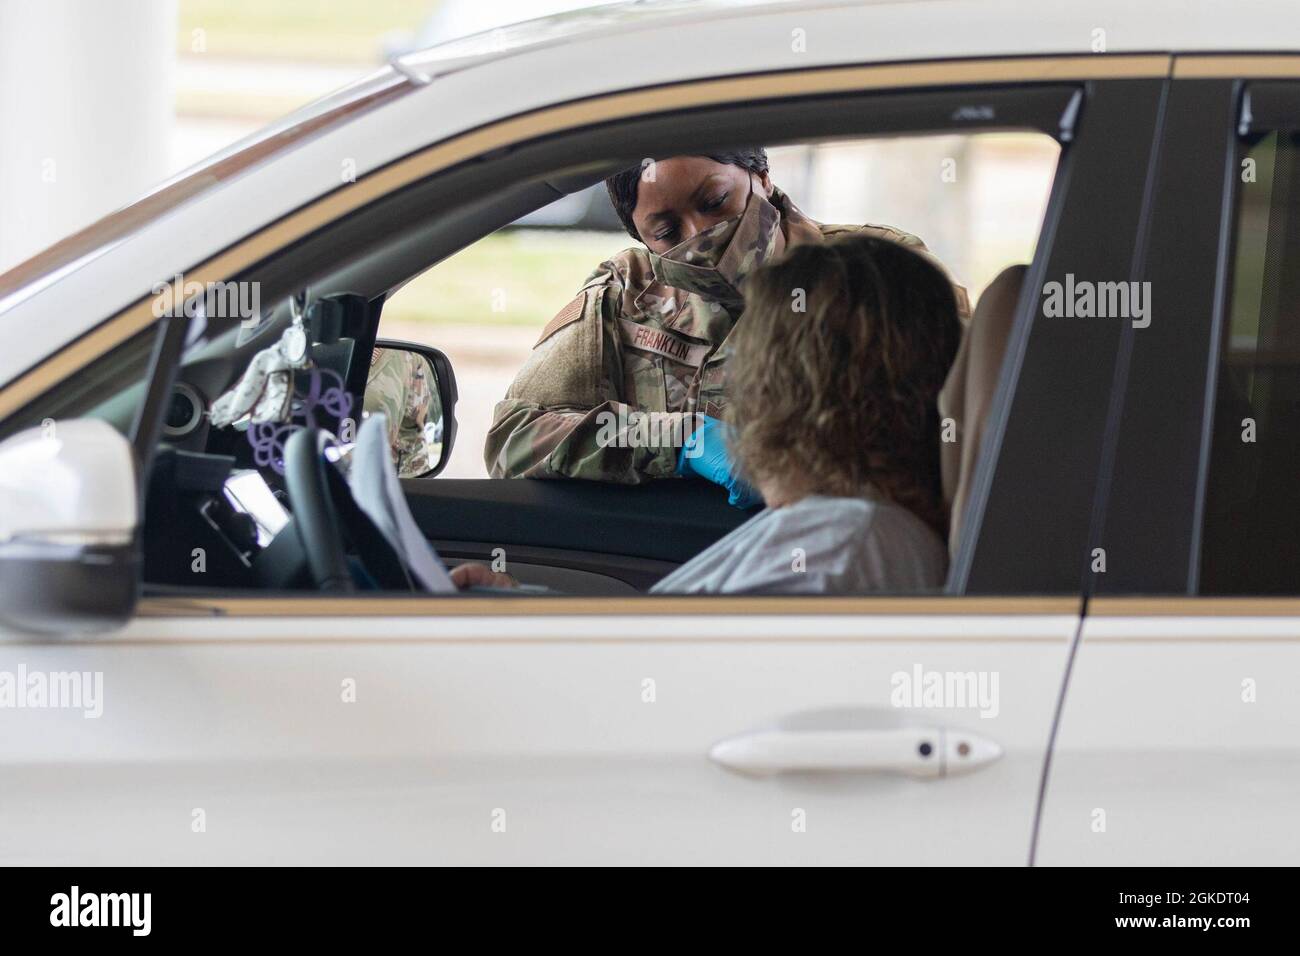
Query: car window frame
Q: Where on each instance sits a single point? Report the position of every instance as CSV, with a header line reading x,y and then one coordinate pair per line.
x,y
1263,105
1158,481
1095,228
895,106
958,93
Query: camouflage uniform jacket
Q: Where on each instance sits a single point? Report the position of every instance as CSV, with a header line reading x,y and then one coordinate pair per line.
x,y
628,343
398,385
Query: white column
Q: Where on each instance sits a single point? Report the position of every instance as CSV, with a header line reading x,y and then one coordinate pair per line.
x,y
87,99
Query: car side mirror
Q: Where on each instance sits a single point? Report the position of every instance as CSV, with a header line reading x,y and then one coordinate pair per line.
x,y
414,385
68,517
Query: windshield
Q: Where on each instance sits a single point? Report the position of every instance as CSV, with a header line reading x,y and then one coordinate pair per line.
x,y
311,120
542,31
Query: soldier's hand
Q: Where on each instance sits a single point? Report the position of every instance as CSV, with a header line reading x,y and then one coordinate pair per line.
x,y
475,575
705,455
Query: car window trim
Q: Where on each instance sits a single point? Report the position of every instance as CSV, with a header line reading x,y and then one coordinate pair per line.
x,y
878,86
1219,323
238,604
1157,510
1103,200
1047,108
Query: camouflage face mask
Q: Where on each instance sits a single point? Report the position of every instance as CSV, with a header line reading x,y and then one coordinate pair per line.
x,y
716,262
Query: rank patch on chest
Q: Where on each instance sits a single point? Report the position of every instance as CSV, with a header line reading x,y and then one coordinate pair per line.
x,y
662,342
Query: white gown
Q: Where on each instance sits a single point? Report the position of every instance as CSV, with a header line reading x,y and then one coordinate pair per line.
x,y
819,545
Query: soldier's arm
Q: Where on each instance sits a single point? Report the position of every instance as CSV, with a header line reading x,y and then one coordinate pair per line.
x,y
386,392
563,413
415,408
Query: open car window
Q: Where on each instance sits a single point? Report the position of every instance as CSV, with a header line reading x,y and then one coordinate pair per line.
x,y
976,200
581,535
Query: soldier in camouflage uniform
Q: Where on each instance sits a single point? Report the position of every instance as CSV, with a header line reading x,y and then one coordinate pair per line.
x,y
648,332
400,384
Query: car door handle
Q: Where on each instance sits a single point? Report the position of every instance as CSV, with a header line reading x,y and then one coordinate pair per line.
x,y
926,752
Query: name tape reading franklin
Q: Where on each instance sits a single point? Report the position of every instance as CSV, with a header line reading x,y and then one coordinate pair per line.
x,y
663,342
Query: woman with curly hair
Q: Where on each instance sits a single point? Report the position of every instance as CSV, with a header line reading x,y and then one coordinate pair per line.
x,y
835,422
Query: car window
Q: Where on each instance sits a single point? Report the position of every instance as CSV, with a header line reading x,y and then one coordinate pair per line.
x,y
1251,535
264,145
976,200
111,389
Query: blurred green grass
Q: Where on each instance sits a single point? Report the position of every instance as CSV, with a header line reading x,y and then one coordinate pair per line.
x,y
513,277
533,273
297,29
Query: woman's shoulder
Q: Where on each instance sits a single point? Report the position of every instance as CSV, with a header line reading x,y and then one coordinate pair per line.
x,y
866,527
824,545
817,509
823,524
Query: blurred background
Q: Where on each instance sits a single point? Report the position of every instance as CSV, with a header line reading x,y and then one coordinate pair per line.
x,y
101,100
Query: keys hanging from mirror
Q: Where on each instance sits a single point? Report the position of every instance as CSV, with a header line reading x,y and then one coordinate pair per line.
x,y
264,393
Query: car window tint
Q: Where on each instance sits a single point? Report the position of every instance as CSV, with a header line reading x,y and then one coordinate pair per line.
x,y
1251,536
110,388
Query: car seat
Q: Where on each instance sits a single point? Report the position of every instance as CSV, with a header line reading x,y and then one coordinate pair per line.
x,y
968,391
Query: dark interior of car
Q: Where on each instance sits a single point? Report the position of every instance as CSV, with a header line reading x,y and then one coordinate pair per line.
x,y
577,537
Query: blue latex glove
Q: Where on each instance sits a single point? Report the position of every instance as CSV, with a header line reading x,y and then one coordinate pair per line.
x,y
705,455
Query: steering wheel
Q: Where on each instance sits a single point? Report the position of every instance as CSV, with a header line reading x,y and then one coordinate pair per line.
x,y
314,515
325,517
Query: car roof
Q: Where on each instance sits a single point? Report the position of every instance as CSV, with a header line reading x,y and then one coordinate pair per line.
x,y
437,93
1028,25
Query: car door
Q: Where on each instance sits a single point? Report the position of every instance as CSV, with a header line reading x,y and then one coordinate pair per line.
x,y
297,727
1178,738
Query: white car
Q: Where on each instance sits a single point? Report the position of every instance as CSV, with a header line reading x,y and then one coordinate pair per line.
x,y
1107,677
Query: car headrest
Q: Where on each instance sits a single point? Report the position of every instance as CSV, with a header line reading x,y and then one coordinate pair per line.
x,y
968,391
